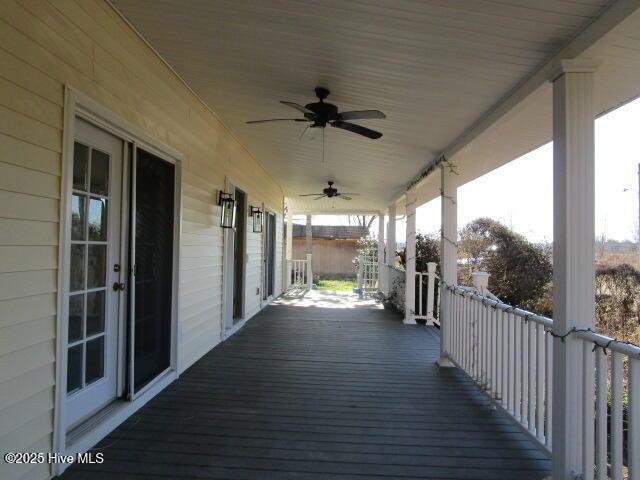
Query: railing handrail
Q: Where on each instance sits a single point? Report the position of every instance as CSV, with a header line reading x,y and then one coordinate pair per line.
x,y
545,321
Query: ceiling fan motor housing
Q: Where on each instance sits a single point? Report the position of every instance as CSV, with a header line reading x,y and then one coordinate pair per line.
x,y
330,191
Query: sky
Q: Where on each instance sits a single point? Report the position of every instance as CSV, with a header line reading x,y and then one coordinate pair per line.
x,y
520,193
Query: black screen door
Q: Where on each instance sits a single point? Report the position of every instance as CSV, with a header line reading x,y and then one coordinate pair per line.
x,y
153,266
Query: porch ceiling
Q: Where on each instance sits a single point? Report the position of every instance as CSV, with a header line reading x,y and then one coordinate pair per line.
x,y
433,67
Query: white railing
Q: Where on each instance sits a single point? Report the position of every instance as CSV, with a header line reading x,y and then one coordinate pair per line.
x,y
508,352
301,273
425,294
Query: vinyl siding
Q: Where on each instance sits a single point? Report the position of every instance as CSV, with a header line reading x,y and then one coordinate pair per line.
x,y
85,44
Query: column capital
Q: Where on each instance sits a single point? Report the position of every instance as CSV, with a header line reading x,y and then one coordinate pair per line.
x,y
572,65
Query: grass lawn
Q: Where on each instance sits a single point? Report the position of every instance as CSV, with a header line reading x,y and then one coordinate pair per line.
x,y
336,284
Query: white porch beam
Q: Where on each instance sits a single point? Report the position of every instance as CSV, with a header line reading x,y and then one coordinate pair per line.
x,y
381,265
448,251
573,255
410,266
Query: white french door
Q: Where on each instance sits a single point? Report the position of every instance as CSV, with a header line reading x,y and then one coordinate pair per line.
x,y
96,277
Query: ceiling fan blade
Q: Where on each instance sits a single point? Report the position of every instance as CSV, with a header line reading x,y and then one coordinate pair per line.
x,y
343,196
361,114
300,108
352,127
349,193
310,194
318,198
278,120
309,133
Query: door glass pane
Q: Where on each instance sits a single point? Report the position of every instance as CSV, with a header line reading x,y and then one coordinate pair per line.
x,y
76,276
74,368
99,172
95,312
97,266
154,190
80,164
97,219
76,309
94,369
78,203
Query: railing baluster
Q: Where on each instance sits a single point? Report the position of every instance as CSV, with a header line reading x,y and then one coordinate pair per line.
x,y
633,452
524,371
601,415
517,360
540,372
616,416
531,378
548,388
510,366
587,411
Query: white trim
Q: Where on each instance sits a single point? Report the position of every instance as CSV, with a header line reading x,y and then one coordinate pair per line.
x,y
77,104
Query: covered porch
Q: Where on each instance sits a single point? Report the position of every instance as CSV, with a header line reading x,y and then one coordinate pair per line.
x,y
320,385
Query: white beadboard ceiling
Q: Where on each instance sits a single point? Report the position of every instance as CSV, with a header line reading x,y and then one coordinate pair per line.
x,y
434,67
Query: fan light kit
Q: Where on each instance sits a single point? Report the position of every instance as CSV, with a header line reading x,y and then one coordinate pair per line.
x,y
228,210
256,215
321,113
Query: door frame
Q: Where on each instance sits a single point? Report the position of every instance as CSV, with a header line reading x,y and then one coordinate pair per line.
x,y
227,256
266,299
77,104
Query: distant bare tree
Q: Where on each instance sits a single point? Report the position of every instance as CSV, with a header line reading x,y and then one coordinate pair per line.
x,y
362,220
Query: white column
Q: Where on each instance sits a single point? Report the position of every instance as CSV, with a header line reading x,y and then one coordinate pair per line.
x,y
288,250
391,238
309,271
382,271
449,251
360,272
410,266
573,255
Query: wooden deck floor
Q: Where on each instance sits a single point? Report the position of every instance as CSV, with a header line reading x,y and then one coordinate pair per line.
x,y
319,386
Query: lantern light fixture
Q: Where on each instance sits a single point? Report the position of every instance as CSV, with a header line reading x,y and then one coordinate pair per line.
x,y
228,210
256,214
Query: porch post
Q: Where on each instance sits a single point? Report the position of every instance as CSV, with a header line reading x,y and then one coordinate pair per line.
x,y
410,263
309,271
308,234
382,271
288,250
573,256
391,247
449,252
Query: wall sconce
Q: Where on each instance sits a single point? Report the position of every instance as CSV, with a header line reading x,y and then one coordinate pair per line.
x,y
228,211
256,214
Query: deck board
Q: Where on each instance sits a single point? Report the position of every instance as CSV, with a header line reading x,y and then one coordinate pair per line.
x,y
319,386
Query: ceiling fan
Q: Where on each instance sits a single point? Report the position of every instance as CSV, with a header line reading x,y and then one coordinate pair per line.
x,y
329,192
320,113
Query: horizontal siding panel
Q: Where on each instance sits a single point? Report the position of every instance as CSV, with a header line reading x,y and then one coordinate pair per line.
x,y
26,284
17,389
20,126
40,32
10,416
22,180
197,228
30,472
27,308
27,358
191,263
28,433
30,78
17,258
21,206
22,100
198,274
24,154
27,232
26,334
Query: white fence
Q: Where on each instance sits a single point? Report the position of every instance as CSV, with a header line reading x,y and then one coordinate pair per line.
x,y
508,352
301,273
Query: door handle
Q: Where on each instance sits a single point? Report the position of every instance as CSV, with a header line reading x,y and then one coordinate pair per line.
x,y
118,286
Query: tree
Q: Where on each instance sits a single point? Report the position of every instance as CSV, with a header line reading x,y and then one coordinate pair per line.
x,y
521,271
362,220
427,250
